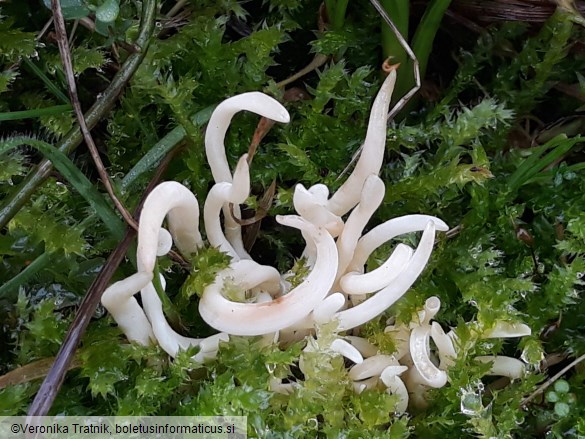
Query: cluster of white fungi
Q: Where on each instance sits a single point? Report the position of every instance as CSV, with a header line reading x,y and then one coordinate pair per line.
x,y
337,287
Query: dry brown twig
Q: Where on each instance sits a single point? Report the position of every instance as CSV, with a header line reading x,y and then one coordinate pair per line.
x,y
65,53
551,381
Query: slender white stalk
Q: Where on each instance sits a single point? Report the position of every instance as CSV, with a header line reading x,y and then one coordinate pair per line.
x,y
379,302
221,194
119,300
388,231
371,197
167,338
372,155
396,386
360,284
445,348
219,122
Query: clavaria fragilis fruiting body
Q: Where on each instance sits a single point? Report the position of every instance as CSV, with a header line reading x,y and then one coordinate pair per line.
x,y
337,288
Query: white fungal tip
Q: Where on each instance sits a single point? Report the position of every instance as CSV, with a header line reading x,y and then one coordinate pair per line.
x,y
372,366
326,309
445,347
361,284
347,350
504,366
372,193
320,192
396,387
283,116
366,348
506,330
431,308
310,205
165,242
241,183
119,300
390,372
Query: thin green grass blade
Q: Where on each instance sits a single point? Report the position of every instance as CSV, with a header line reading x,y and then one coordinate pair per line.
x,y
50,85
544,177
422,42
399,11
77,179
37,112
162,147
10,288
558,146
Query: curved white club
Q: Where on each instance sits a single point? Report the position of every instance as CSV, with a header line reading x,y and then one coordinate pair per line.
x,y
382,300
429,374
396,386
217,127
503,366
372,366
372,155
167,338
445,347
507,330
360,284
387,231
220,195
219,122
325,311
262,318
347,350
310,205
371,198
179,205
119,300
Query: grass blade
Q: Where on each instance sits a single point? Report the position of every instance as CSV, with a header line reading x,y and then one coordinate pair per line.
x,y
37,112
162,147
50,85
77,179
558,146
8,290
